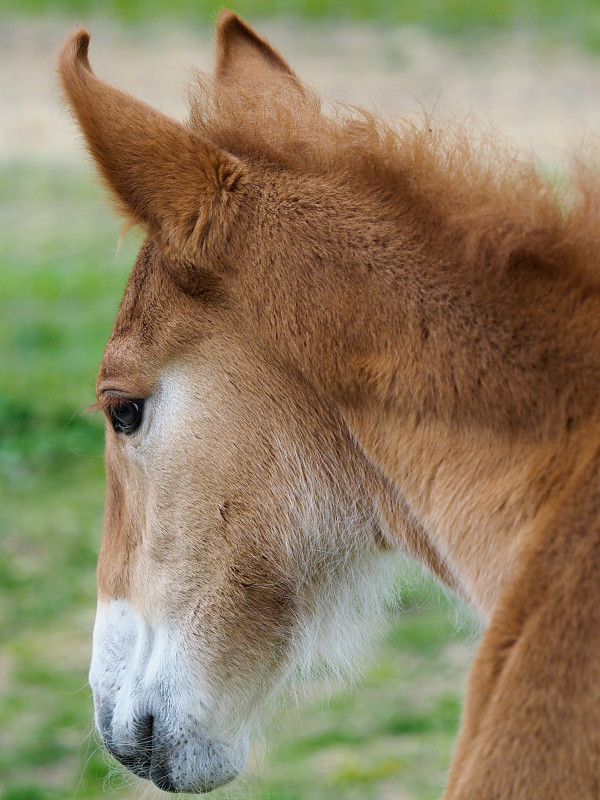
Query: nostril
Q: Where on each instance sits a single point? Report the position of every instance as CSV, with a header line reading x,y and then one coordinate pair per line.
x,y
144,731
136,753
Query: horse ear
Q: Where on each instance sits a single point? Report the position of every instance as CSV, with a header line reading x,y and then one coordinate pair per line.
x,y
243,56
163,175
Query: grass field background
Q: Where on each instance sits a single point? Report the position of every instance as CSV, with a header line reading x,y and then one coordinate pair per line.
x,y
579,18
60,281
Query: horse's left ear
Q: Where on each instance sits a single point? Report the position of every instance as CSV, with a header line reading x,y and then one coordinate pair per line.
x,y
243,56
173,181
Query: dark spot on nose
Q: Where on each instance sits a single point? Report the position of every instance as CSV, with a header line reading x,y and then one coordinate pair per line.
x,y
143,728
225,510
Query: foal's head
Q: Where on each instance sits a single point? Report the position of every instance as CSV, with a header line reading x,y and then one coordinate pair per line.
x,y
241,518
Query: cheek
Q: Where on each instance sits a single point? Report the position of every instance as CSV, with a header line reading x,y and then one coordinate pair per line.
x,y
192,531
254,607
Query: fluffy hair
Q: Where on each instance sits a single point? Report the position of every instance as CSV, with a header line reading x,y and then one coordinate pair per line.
x,y
470,186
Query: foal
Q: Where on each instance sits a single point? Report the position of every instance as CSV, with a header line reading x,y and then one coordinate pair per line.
x,y
340,340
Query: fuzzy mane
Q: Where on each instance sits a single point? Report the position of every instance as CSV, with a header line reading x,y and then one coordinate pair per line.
x,y
469,187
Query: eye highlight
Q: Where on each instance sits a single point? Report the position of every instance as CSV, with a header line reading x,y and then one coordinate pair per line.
x,y
126,415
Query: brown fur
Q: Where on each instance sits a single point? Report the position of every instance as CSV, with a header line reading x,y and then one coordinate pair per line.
x,y
438,302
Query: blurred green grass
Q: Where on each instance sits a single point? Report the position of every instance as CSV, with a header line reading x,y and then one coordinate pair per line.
x,y
579,19
60,281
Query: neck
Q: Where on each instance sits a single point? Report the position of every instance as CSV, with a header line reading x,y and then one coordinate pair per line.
x,y
468,385
476,496
481,423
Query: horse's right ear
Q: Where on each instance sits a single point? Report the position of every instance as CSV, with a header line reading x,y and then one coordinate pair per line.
x,y
245,57
164,175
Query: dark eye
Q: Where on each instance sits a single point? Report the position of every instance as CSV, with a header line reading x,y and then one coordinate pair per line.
x,y
127,416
